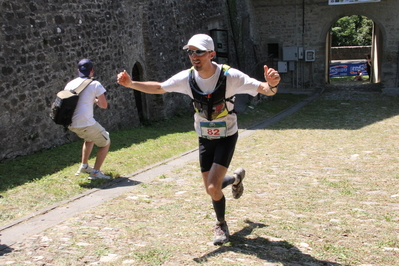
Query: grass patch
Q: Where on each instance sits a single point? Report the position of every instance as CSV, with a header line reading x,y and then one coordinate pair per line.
x,y
347,78
152,257
321,189
30,183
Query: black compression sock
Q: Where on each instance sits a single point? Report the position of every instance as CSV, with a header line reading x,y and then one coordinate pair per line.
x,y
228,180
220,208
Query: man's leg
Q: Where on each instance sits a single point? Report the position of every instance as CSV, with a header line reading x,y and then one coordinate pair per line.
x,y
213,181
237,187
228,180
86,151
101,139
215,157
101,154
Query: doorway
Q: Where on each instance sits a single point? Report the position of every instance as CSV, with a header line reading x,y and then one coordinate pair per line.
x,y
344,67
139,97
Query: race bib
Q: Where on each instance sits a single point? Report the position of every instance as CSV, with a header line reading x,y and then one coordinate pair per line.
x,y
213,130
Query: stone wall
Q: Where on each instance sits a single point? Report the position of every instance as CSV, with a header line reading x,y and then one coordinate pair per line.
x,y
350,52
41,41
307,24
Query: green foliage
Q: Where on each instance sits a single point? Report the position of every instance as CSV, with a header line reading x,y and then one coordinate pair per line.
x,y
352,31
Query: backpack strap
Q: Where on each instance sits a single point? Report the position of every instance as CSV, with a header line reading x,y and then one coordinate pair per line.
x,y
221,80
82,86
231,98
207,100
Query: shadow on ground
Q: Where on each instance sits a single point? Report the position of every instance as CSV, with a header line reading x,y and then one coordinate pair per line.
x,y
269,251
32,167
4,249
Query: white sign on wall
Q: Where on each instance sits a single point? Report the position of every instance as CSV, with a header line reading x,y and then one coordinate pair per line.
x,y
345,2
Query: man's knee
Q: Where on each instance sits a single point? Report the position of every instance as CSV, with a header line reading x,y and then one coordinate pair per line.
x,y
212,190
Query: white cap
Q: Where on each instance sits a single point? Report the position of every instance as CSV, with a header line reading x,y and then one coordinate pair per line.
x,y
201,41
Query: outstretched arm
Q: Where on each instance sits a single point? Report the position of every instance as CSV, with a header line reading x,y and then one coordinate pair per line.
x,y
272,78
151,87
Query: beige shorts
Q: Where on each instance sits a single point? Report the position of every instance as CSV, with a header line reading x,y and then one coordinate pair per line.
x,y
95,133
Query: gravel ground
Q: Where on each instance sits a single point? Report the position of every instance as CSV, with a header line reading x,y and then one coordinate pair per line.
x,y
297,209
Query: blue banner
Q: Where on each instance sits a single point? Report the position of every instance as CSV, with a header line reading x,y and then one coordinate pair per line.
x,y
347,69
344,2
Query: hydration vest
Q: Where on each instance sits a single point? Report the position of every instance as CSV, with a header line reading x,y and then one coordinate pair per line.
x,y
211,105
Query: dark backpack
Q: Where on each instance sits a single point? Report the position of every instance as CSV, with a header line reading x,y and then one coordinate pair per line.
x,y
64,105
212,105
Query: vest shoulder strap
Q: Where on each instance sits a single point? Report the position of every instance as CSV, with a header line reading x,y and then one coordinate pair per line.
x,y
207,101
222,80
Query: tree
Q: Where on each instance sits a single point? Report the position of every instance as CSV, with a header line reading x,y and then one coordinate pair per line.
x,y
353,30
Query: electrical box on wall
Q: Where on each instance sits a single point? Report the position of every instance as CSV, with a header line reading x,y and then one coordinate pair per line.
x,y
282,67
220,39
310,55
290,53
300,52
291,66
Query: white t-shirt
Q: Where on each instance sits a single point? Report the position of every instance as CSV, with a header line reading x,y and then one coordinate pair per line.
x,y
83,115
236,83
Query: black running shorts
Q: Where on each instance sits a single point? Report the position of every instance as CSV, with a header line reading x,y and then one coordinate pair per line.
x,y
218,151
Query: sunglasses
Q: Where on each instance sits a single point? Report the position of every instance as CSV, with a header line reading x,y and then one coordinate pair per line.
x,y
197,52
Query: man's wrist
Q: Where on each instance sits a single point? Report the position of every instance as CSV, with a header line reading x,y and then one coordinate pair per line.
x,y
272,87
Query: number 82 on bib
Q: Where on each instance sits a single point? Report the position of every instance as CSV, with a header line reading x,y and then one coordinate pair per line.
x,y
213,130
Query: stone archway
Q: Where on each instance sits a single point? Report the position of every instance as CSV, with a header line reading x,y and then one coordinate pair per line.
x,y
375,51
